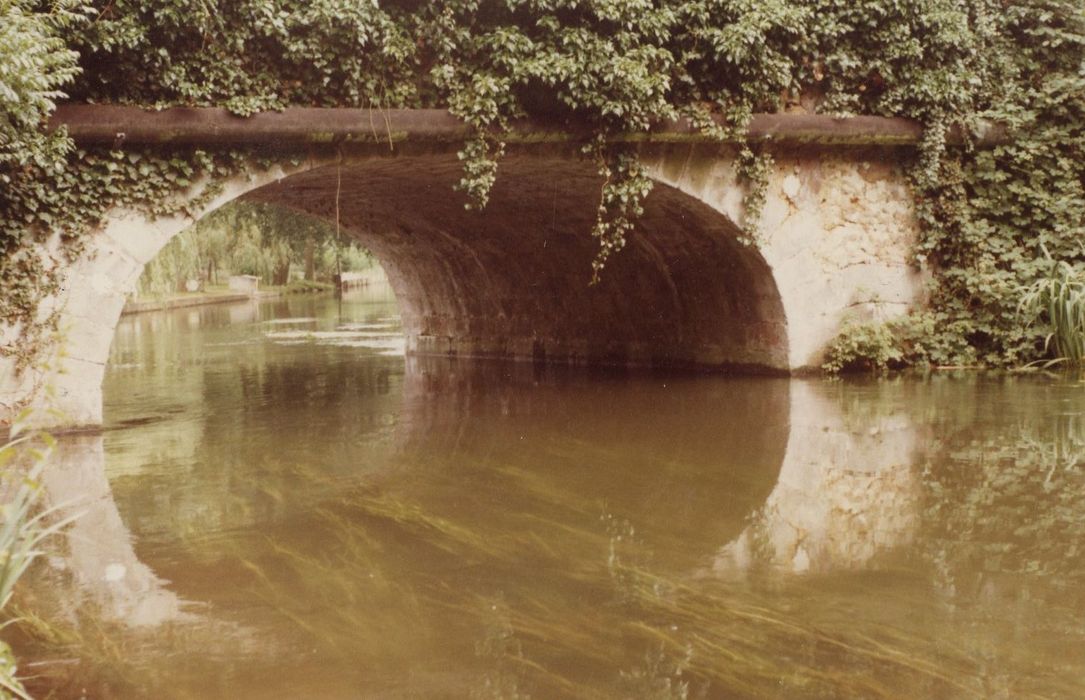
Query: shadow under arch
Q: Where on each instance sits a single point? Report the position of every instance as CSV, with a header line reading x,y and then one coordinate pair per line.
x,y
512,280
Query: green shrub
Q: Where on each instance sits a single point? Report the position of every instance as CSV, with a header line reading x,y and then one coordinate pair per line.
x,y
308,287
864,346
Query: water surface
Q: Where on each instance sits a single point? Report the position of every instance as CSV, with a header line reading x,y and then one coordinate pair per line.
x,y
283,505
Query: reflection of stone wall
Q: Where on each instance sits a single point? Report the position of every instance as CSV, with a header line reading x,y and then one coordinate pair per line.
x,y
99,554
848,490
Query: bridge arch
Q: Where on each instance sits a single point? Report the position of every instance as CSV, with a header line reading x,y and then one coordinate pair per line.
x,y
511,281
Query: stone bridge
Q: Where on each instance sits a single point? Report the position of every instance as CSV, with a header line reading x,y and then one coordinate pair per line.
x,y
512,281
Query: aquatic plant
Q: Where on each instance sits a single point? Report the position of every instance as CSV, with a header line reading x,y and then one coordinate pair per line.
x,y
1058,300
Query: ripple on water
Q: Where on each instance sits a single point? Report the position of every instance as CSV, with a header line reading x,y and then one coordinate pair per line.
x,y
290,321
352,335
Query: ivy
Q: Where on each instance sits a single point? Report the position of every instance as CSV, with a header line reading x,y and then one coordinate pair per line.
x,y
35,62
608,66
988,215
66,202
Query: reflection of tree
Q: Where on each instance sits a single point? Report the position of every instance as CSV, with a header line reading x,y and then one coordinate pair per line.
x,y
230,424
1002,490
1003,514
992,513
1009,502
255,479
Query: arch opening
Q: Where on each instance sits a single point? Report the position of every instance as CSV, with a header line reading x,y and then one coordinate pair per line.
x,y
512,280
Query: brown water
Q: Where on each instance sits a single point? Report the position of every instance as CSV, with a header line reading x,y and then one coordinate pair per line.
x,y
283,506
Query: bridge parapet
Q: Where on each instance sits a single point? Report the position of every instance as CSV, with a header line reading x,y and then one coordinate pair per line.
x,y
302,126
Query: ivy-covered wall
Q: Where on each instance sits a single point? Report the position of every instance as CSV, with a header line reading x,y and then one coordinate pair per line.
x,y
617,65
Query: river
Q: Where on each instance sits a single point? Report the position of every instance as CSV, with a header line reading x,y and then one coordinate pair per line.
x,y
283,505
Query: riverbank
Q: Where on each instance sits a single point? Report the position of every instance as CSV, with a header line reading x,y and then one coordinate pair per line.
x,y
220,296
225,295
187,299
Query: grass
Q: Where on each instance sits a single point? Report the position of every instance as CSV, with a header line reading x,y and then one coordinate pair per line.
x,y
212,292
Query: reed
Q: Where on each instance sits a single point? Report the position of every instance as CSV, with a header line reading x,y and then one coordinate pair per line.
x,y
1058,299
24,524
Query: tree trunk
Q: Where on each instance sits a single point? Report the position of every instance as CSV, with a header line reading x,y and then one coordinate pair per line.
x,y
310,266
282,275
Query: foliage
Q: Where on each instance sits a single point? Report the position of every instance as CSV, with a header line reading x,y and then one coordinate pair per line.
x,y
347,257
1059,301
251,239
10,685
986,212
868,346
610,66
1019,495
909,341
308,287
248,55
35,62
47,212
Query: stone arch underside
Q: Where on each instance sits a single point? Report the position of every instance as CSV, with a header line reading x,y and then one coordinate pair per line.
x,y
512,280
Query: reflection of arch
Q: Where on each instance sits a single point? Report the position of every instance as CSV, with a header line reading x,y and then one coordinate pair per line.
x,y
676,442
843,492
671,442
99,552
511,281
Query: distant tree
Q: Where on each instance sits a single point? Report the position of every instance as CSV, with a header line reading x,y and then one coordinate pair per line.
x,y
253,239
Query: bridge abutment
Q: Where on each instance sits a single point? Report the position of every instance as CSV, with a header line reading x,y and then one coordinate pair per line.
x,y
838,230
